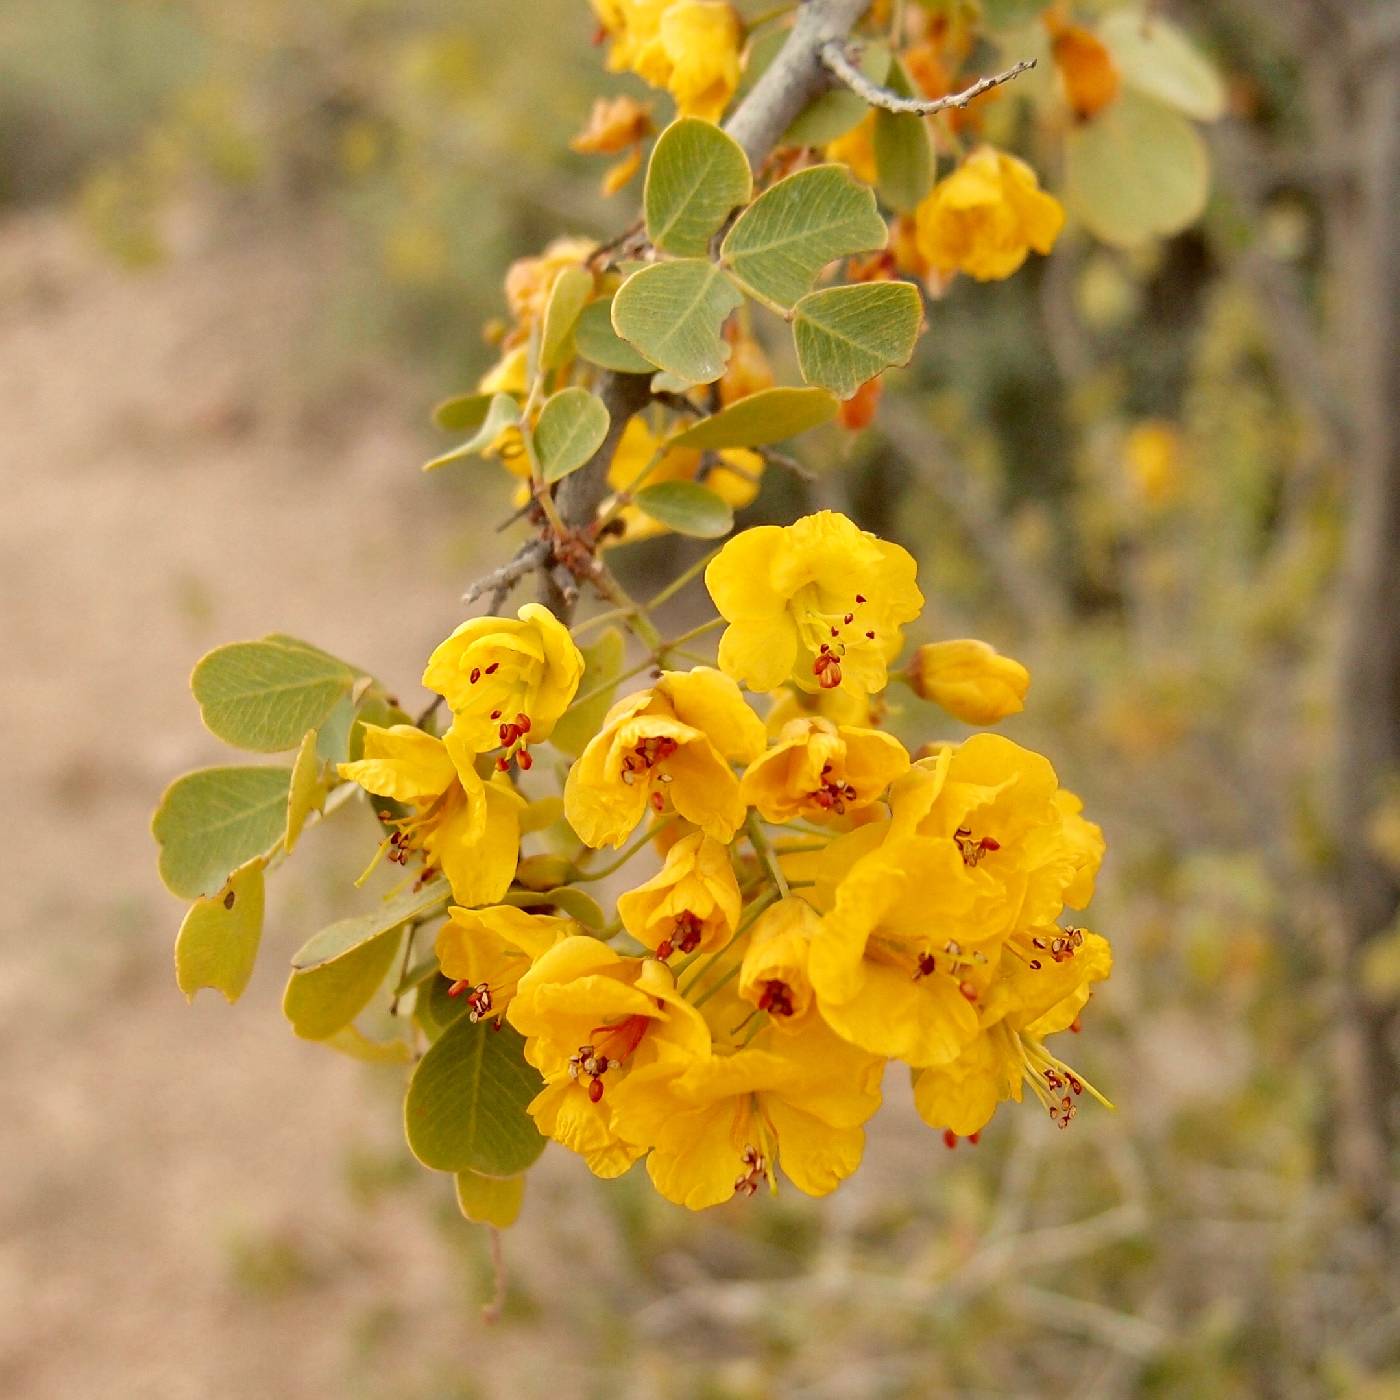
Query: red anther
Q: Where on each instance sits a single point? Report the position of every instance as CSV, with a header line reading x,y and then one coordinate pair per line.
x,y
664,949
975,1138
830,678
835,631
1034,964
989,843
926,966
776,998
658,802
870,636
522,723
503,764
968,990
595,1091
458,987
860,597
475,675
849,618
495,714
825,648
1075,1026
950,1139
525,759
493,668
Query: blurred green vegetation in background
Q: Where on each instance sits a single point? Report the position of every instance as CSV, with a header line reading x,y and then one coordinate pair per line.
x,y
1129,469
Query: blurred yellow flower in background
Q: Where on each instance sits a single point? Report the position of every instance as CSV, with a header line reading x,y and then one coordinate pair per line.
x,y
970,679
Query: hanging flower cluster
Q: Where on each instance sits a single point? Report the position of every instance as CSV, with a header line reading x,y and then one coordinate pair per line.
x,y
820,902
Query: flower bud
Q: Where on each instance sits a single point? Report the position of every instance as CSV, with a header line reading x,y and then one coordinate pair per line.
x,y
969,679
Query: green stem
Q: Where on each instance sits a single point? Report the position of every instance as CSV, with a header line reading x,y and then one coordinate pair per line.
x,y
639,844
764,852
676,584
745,924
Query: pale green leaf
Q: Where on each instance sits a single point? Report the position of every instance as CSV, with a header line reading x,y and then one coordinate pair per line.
x,y
903,156
836,111
696,175
567,298
602,664
674,313
568,899
307,792
846,335
599,344
265,695
758,419
351,1041
213,820
337,971
490,1200
466,1104
571,428
462,412
218,942
1137,171
1155,57
503,413
796,227
687,508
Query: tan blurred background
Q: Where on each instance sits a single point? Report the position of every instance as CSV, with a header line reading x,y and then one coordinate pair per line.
x,y
242,251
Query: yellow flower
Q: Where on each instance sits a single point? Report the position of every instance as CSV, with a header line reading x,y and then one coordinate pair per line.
x,y
689,47
840,706
986,216
506,681
674,741
592,1018
529,281
692,902
970,679
1045,979
487,951
733,474
819,602
467,828
818,770
614,124
1152,455
773,976
723,1125
1085,66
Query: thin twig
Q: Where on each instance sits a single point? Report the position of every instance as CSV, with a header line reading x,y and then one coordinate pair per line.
x,y
531,555
491,1312
834,57
791,464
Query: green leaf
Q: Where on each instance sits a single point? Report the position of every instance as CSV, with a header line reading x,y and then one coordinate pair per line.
x,y
599,344
351,1041
265,695
307,793
1155,57
793,229
903,156
846,335
503,413
602,665
337,971
434,1009
466,1104
490,1200
696,175
1137,171
687,508
213,820
462,412
577,905
758,419
218,942
571,428
835,112
674,313
1007,14
567,298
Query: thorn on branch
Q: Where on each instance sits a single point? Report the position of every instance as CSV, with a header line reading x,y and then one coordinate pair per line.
x,y
499,582
837,62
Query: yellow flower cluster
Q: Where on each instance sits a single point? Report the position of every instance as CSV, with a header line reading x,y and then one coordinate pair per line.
x,y
819,902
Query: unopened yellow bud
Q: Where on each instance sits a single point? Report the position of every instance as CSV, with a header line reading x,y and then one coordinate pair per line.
x,y
971,680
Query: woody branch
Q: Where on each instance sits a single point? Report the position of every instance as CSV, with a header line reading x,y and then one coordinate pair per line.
x,y
834,56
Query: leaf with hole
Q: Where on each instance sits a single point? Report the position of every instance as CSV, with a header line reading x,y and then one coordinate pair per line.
x,y
770,415
567,298
1137,171
503,413
597,342
218,942
687,508
214,820
571,428
846,335
467,1101
674,314
697,174
265,695
780,243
